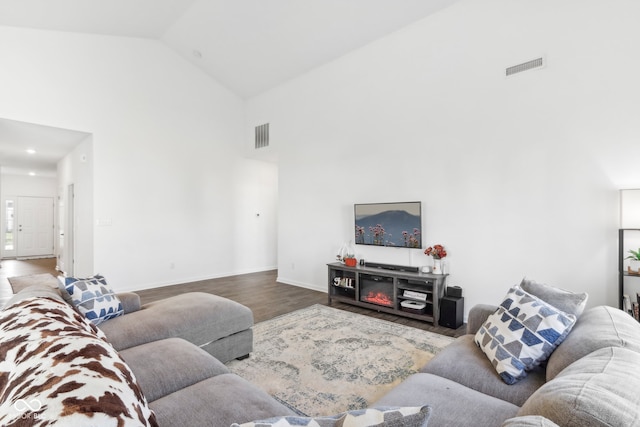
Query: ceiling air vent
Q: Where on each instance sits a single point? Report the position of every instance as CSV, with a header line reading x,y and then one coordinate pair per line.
x,y
262,136
535,63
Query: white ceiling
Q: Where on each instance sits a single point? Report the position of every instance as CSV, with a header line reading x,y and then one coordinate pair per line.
x,y
250,46
50,145
253,45
132,18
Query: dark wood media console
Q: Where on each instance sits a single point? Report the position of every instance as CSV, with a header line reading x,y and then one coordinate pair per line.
x,y
410,294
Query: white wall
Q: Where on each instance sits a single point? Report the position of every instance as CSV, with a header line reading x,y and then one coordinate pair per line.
x,y
518,176
77,168
166,151
32,186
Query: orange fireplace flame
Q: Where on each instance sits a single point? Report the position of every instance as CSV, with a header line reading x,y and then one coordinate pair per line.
x,y
379,298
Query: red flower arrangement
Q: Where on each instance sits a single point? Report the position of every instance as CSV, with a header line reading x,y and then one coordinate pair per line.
x,y
437,251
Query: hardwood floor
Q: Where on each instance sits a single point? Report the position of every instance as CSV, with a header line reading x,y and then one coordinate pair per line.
x,y
266,297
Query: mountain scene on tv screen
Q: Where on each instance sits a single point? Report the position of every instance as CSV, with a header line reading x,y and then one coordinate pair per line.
x,y
389,228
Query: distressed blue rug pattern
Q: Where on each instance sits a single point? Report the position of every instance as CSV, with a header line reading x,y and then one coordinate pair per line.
x,y
322,361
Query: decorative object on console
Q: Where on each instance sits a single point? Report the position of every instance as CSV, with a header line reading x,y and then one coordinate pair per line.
x,y
634,265
344,282
415,295
437,266
347,255
437,252
342,253
350,262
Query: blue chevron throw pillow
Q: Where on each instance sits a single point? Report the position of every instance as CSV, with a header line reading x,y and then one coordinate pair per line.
x,y
93,298
522,333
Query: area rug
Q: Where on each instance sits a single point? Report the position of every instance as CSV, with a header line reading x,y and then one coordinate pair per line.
x,y
18,283
322,361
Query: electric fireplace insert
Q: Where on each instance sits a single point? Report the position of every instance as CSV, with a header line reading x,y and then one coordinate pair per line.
x,y
376,290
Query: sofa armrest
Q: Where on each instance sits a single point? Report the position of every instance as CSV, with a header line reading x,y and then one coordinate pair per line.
x,y
478,315
130,301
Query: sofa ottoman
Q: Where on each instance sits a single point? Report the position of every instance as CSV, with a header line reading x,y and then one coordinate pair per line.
x,y
218,325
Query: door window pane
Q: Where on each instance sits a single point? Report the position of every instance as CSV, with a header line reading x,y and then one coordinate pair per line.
x,y
9,234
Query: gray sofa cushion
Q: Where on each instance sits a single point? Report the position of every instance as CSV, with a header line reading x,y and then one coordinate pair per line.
x,y
453,404
597,328
217,402
165,366
597,390
478,315
197,317
567,301
130,301
465,363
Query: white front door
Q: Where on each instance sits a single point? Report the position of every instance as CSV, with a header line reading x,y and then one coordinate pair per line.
x,y
35,226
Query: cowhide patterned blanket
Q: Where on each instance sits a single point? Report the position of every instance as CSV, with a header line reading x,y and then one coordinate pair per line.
x,y
57,369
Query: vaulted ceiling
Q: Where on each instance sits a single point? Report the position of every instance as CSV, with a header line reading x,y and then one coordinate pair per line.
x,y
250,46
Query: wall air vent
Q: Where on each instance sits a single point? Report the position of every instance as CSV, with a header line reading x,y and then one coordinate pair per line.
x,y
529,65
262,136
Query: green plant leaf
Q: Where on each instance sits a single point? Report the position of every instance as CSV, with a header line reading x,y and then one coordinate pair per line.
x,y
635,255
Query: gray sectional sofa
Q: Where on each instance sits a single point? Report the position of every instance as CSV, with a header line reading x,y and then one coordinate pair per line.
x,y
168,345
591,379
176,349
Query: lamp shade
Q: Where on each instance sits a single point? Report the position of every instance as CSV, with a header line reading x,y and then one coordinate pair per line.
x,y
630,209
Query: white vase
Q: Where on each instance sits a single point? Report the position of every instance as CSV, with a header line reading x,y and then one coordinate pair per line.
x,y
437,266
634,266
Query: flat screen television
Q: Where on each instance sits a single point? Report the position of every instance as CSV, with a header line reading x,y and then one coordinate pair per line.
x,y
389,224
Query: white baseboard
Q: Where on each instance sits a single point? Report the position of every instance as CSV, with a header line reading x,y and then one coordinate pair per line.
x,y
313,287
